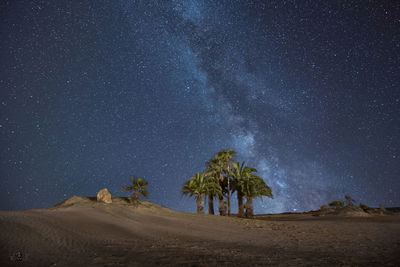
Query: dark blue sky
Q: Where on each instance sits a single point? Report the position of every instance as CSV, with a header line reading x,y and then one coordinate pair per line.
x,y
307,92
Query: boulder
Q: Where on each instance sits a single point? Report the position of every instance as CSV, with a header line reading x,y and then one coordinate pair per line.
x,y
104,196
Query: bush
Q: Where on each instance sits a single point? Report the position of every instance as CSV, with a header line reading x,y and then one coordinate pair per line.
x,y
324,207
336,204
364,207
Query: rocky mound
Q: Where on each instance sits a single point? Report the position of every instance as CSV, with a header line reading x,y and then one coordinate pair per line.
x,y
351,211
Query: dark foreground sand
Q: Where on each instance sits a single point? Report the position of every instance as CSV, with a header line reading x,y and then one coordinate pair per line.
x,y
81,232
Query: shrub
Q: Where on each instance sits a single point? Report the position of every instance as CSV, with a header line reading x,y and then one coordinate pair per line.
x,y
324,207
336,204
364,207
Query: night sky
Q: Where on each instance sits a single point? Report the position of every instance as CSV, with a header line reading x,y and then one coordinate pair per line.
x,y
307,92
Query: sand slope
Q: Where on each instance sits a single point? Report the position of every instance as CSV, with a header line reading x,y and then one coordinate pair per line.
x,y
82,232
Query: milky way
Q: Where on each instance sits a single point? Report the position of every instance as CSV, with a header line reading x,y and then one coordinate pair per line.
x,y
307,92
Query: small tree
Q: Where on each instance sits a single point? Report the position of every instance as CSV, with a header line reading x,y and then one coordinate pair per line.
x,y
336,204
349,200
139,188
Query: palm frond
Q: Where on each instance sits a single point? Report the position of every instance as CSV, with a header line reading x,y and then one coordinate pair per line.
x,y
127,188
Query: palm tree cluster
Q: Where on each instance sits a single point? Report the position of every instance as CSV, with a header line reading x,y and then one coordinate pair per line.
x,y
222,177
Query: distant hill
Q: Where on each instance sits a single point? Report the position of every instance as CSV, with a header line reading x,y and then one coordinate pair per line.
x,y
393,209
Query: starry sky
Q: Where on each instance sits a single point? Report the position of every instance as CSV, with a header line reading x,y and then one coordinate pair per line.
x,y
307,92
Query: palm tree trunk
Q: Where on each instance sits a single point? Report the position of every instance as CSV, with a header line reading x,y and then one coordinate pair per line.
x,y
229,189
200,208
200,204
249,207
134,196
221,206
240,204
210,204
229,199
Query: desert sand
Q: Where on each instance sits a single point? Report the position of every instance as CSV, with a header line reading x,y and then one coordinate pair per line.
x,y
83,232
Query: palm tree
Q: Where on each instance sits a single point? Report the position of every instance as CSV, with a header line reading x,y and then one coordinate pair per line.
x,y
254,186
213,189
139,188
197,187
227,157
239,174
214,168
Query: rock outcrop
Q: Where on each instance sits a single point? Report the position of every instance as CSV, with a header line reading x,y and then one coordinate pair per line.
x,y
104,196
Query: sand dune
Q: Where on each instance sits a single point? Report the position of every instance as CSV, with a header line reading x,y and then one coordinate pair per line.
x,y
82,232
